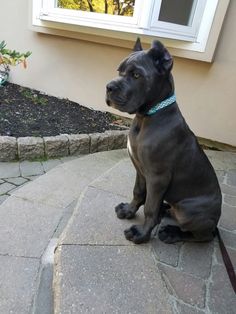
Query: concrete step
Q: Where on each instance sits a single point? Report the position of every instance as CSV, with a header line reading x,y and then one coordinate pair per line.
x,y
30,218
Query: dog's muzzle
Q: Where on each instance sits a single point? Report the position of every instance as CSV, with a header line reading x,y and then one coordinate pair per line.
x,y
113,94
110,89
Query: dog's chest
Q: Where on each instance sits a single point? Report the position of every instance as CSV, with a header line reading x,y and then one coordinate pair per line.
x,y
129,147
133,142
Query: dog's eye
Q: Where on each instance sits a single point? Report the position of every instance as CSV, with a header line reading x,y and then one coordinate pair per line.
x,y
136,75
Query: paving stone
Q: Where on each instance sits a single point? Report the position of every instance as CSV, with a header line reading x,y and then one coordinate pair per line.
x,y
186,309
229,190
120,179
6,187
228,217
3,198
8,148
26,227
231,177
220,175
32,178
196,259
18,283
221,295
50,164
79,144
17,181
230,200
93,142
114,155
9,169
228,237
103,142
70,158
84,228
56,146
189,289
222,160
232,254
15,189
56,188
98,142
30,147
94,165
31,168
166,253
117,139
109,280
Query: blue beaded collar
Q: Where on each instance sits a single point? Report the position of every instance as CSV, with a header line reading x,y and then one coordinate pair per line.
x,y
161,105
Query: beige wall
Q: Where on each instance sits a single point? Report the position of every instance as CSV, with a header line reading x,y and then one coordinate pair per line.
x,y
79,70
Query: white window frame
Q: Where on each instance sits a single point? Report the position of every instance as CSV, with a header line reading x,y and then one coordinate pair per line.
x,y
91,19
182,39
182,32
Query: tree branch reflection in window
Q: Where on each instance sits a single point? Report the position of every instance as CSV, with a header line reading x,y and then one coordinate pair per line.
x,y
113,7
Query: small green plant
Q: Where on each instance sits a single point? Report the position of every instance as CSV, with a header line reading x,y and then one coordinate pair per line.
x,y
10,58
32,96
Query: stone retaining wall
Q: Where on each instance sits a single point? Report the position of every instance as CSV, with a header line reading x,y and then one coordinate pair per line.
x,y
27,148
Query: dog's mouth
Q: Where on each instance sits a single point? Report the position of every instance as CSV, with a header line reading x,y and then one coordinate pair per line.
x,y
120,97
117,95
116,101
121,107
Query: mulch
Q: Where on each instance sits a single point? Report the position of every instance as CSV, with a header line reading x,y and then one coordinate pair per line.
x,y
28,112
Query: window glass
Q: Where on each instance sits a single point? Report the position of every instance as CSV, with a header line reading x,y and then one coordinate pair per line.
x,y
113,7
177,11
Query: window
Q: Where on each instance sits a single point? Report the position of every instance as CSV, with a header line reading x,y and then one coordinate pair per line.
x,y
114,7
186,24
179,19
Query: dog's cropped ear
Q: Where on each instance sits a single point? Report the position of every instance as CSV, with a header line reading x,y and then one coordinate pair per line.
x,y
161,57
137,45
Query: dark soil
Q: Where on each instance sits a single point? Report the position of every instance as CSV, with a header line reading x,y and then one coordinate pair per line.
x,y
27,112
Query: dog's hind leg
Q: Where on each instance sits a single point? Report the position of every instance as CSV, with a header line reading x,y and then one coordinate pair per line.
x,y
169,230
171,233
128,210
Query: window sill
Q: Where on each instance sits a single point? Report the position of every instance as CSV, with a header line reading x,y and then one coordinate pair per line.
x,y
203,50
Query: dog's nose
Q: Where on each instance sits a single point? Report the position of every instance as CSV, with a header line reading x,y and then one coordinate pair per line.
x,y
111,87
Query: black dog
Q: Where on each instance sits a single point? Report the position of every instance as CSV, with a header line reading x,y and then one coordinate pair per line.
x,y
174,177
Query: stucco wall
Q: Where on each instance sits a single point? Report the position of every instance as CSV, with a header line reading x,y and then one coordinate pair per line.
x,y
79,70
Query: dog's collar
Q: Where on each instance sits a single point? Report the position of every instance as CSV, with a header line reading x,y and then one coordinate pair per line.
x,y
161,105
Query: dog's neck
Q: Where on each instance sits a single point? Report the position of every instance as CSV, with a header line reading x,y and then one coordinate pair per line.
x,y
163,93
161,105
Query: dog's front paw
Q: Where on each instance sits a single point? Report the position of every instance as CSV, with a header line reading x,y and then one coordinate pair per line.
x,y
136,234
124,210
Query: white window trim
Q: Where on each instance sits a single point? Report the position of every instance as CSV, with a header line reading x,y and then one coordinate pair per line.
x,y
188,32
50,20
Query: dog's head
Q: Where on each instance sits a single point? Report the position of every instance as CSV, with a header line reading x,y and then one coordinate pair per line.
x,y
144,79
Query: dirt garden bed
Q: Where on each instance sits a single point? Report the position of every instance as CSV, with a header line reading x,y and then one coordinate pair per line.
x,y
27,112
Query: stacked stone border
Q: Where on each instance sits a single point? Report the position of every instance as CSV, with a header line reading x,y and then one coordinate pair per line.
x,y
29,148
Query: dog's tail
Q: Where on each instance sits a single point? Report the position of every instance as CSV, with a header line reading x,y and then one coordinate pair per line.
x,y
227,261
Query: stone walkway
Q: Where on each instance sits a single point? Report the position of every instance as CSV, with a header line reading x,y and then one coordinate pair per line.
x,y
15,174
70,211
